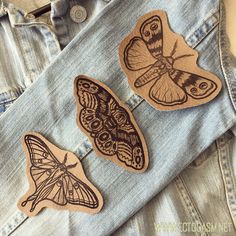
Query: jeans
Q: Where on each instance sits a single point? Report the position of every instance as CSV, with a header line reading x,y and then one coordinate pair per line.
x,y
47,106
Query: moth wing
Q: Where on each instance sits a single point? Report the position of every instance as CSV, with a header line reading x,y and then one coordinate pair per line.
x,y
79,193
90,120
127,139
137,55
166,92
106,142
62,189
49,188
117,127
65,189
42,170
86,93
119,137
41,176
89,105
125,153
55,191
152,34
39,153
194,85
131,153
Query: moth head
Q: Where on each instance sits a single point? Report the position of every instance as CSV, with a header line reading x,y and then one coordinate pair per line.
x,y
86,85
199,87
170,60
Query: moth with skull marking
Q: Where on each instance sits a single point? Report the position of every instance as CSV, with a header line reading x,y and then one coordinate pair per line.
x,y
171,86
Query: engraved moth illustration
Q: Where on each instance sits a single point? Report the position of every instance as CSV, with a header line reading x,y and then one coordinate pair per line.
x,y
156,76
54,182
109,125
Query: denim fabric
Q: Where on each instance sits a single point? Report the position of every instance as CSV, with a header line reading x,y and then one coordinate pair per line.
x,y
174,139
201,195
24,52
8,97
65,28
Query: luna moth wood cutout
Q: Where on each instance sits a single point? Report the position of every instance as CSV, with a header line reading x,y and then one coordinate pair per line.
x,y
109,125
56,179
162,68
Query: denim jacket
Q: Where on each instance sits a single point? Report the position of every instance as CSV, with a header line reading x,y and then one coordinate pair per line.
x,y
47,106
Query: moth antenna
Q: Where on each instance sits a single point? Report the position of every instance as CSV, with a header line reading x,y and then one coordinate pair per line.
x,y
174,49
65,159
30,198
24,203
72,166
32,208
34,203
182,56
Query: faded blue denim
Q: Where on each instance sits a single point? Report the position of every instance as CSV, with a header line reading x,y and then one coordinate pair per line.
x,y
174,138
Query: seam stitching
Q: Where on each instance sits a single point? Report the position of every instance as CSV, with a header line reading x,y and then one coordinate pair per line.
x,y
227,177
224,59
188,201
